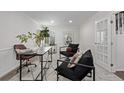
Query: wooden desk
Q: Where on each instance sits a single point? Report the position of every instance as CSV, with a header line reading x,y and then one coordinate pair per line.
x,y
39,53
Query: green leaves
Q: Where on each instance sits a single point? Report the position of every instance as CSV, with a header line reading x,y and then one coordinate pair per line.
x,y
41,35
38,36
23,38
29,35
45,31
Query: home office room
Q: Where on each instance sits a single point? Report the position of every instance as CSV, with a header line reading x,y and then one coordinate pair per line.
x,y
61,44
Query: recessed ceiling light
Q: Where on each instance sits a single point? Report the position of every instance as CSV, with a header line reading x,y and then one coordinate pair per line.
x,y
70,21
52,21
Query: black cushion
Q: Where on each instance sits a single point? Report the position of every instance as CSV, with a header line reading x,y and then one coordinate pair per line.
x,y
87,54
66,72
67,54
74,47
78,72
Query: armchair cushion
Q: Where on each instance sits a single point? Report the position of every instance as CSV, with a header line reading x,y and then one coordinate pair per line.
x,y
69,49
74,47
66,72
67,54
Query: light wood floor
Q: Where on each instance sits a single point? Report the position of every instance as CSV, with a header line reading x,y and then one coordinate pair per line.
x,y
120,74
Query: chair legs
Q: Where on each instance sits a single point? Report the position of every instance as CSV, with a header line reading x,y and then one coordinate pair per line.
x,y
26,65
57,77
93,74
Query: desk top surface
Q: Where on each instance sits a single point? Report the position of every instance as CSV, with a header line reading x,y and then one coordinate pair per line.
x,y
39,52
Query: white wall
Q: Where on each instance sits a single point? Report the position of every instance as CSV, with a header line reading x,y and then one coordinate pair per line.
x,y
87,35
12,24
120,52
60,33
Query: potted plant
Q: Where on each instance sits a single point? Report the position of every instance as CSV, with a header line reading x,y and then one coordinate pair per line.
x,y
38,37
46,34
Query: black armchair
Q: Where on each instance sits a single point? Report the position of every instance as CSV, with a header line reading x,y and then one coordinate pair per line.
x,y
80,71
70,50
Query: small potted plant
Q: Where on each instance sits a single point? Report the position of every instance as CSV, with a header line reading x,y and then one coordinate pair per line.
x,y
46,34
38,37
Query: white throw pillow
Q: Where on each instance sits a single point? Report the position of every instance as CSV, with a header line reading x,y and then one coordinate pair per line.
x,y
75,60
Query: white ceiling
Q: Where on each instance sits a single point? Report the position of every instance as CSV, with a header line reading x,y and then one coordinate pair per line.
x,y
60,18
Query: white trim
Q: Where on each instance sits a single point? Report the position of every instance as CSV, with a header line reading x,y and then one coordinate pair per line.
x,y
119,70
5,49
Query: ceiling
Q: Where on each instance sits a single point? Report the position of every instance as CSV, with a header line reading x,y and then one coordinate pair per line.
x,y
60,18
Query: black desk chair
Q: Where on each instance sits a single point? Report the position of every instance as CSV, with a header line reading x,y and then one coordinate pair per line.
x,y
25,59
71,49
80,71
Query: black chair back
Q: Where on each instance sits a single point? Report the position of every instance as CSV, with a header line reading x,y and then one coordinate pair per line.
x,y
74,47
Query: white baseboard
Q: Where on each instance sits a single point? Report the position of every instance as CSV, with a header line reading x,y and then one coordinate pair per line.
x,y
119,69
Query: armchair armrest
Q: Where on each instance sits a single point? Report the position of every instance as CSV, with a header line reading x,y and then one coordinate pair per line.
x,y
62,47
75,64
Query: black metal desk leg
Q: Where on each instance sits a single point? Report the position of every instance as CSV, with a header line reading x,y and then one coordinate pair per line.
x,y
41,60
51,54
57,70
20,69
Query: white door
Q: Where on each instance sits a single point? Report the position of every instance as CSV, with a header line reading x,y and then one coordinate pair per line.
x,y
103,43
118,40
